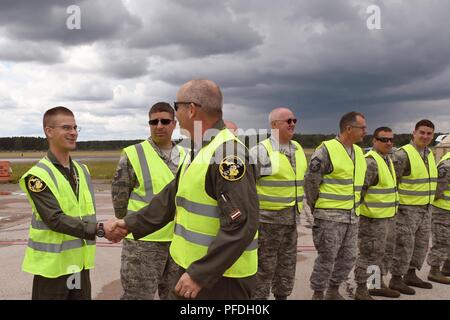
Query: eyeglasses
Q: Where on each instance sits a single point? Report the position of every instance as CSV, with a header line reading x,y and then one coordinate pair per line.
x,y
289,121
385,140
68,128
164,122
177,104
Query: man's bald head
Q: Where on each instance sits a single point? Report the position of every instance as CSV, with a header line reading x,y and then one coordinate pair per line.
x,y
205,93
280,113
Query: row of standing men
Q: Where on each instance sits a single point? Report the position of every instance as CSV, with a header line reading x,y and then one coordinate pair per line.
x,y
234,234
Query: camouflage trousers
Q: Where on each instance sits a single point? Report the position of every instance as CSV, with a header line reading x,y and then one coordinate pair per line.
x,y
336,245
372,240
389,248
147,267
440,235
277,259
412,228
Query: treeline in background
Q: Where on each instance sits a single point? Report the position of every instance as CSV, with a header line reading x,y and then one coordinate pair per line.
x,y
40,144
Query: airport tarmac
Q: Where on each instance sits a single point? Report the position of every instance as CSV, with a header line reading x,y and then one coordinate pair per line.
x,y
15,216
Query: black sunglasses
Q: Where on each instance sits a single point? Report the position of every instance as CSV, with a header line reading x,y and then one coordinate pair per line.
x,y
289,121
164,122
177,104
385,140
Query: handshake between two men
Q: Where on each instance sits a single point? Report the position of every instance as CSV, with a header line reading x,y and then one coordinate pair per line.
x,y
115,229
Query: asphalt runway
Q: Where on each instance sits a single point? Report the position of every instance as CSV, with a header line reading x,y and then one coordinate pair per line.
x,y
15,216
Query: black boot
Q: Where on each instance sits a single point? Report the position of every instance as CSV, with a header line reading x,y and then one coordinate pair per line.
x,y
446,268
397,284
362,293
411,279
437,276
384,291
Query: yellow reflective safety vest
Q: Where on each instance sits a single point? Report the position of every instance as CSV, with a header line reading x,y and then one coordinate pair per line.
x,y
341,189
197,220
52,254
381,200
153,175
284,187
445,202
419,187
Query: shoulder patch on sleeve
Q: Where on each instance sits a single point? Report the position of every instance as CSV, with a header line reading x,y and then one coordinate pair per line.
x,y
232,168
314,164
36,185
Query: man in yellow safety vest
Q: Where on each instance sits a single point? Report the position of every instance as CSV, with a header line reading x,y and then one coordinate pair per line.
x,y
61,243
379,203
333,186
143,171
281,165
416,173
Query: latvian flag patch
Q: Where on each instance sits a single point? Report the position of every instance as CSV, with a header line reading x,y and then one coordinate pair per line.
x,y
235,214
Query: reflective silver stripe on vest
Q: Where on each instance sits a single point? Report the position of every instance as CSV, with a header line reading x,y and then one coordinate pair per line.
x,y
148,187
418,181
288,183
380,191
198,208
275,199
300,199
57,248
358,188
335,196
357,204
414,193
338,181
203,239
49,171
445,197
381,204
88,180
41,225
38,224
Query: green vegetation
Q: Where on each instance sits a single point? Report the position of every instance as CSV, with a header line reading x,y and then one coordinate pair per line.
x,y
103,170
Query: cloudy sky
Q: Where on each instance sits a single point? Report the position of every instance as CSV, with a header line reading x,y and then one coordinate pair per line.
x,y
317,57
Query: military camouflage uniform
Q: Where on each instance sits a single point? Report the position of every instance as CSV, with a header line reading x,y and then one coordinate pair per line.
x,y
277,238
372,233
412,223
440,221
335,230
146,265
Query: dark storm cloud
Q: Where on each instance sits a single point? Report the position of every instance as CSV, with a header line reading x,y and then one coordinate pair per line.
x,y
196,28
342,67
317,57
45,20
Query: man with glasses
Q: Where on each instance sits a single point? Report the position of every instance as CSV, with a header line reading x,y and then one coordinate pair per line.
x,y
214,197
281,166
379,203
143,171
333,186
61,244
416,172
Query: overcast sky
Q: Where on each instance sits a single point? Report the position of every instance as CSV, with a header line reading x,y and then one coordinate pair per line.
x,y
316,57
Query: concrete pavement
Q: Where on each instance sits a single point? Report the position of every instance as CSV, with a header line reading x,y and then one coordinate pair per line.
x,y
15,215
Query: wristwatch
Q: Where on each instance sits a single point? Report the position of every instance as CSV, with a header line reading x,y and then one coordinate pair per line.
x,y
100,230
